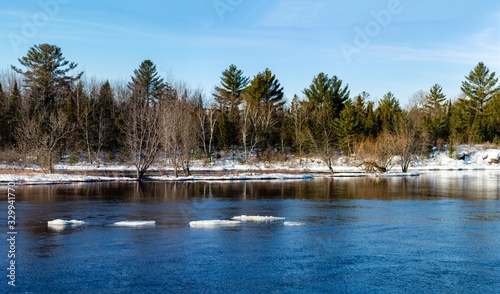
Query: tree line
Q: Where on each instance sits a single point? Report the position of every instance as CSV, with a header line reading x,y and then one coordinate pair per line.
x,y
49,110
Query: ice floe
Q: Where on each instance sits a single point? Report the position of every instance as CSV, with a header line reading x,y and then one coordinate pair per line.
x,y
213,223
60,224
135,223
293,224
257,218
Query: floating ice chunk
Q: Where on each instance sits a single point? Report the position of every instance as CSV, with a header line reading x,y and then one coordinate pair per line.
x,y
257,218
293,224
135,223
57,222
213,223
60,224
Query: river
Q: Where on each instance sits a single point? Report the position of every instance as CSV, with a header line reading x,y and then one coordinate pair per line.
x,y
437,233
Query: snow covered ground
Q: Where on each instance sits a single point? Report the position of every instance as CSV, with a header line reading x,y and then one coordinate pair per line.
x,y
464,158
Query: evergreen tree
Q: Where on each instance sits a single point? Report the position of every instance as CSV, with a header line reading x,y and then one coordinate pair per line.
x,y
266,94
105,116
366,114
371,125
435,114
319,91
388,113
479,86
492,119
265,89
464,126
147,84
81,109
70,103
349,126
228,96
46,75
74,102
327,93
325,101
434,101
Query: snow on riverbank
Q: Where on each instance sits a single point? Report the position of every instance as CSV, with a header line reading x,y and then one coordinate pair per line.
x,y
464,158
41,179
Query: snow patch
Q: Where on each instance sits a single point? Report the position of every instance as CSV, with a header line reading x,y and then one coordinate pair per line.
x,y
257,218
213,223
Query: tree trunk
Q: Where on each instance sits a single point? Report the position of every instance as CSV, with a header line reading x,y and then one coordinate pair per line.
x,y
139,174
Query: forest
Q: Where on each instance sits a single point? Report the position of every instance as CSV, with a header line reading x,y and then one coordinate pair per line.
x,y
49,110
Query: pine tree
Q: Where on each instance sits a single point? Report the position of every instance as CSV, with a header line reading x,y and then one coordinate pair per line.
x,y
349,126
265,94
325,101
105,116
228,94
46,75
327,93
147,84
435,114
462,128
265,89
479,86
229,97
319,91
492,119
435,99
388,113
370,122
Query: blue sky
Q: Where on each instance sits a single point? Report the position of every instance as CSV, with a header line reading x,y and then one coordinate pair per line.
x,y
375,46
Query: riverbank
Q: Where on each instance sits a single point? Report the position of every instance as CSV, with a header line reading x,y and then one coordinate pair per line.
x,y
470,158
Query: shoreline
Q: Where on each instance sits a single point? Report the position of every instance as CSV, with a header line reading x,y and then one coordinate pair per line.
x,y
74,176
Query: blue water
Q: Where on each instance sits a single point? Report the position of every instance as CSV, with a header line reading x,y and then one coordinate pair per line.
x,y
422,242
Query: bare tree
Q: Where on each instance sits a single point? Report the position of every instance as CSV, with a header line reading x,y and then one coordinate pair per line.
x,y
248,124
408,140
142,137
213,116
410,137
179,132
322,140
207,119
169,135
43,137
377,155
84,117
301,135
